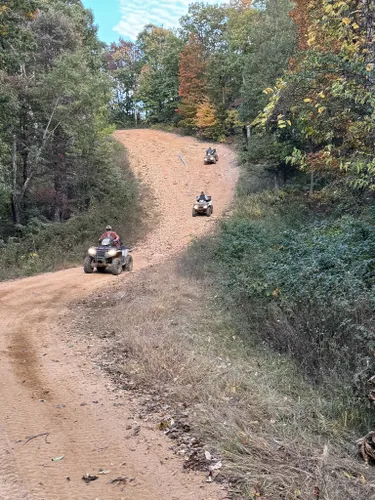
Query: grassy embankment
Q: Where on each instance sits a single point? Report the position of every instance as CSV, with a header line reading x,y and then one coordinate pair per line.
x,y
47,246
264,331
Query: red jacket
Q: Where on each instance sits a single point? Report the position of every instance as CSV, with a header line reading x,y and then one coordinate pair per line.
x,y
113,235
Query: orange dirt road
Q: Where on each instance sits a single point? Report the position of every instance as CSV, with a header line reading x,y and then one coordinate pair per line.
x,y
47,386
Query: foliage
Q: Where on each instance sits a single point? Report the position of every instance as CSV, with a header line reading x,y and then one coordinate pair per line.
x,y
273,44
327,96
224,55
158,79
305,285
193,83
123,63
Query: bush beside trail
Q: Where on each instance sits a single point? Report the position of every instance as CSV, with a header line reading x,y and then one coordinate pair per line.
x,y
307,290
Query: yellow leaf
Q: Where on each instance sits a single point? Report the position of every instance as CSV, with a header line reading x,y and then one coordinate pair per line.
x,y
355,26
311,40
370,67
346,20
362,479
289,122
268,90
321,109
307,100
346,474
309,131
321,95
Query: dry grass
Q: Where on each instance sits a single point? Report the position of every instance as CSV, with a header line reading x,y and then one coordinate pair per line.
x,y
277,435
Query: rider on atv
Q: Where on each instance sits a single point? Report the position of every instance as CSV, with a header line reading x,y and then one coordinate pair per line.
x,y
210,151
109,233
202,197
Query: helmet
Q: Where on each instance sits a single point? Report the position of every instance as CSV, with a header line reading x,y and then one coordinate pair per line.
x,y
202,192
108,228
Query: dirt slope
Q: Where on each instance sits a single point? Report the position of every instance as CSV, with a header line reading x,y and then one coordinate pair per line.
x,y
48,386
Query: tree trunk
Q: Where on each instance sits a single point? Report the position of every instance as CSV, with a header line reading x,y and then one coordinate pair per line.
x,y
14,196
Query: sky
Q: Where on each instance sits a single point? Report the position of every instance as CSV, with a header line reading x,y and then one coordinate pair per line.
x,y
126,18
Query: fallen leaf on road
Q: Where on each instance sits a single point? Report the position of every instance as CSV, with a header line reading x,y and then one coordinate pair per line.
x,y
89,477
120,479
216,466
208,455
165,424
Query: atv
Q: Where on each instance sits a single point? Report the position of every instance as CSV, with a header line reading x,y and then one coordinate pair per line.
x,y
107,255
211,158
203,207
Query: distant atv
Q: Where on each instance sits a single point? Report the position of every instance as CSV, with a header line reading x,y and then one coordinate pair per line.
x,y
203,207
107,255
211,158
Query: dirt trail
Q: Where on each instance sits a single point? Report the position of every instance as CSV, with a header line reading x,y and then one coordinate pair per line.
x,y
48,386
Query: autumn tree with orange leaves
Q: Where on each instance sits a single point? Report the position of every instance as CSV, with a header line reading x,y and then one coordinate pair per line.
x,y
193,81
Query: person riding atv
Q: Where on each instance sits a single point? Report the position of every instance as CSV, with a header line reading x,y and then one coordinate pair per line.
x,y
203,205
202,197
110,254
109,233
211,156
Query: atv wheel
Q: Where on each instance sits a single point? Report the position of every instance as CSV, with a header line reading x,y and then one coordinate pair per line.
x,y
116,266
194,214
129,265
100,269
209,212
87,264
214,162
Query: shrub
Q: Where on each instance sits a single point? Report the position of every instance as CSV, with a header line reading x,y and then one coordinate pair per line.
x,y
300,281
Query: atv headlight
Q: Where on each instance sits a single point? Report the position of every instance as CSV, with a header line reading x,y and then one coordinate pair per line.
x,y
205,206
196,206
112,252
92,251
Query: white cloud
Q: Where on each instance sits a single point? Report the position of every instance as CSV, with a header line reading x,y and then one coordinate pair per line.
x,y
137,13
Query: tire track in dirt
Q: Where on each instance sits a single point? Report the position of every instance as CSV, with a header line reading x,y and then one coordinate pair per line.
x,y
47,386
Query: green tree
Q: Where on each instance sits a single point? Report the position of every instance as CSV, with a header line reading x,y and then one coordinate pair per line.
x,y
273,40
124,64
158,81
53,113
